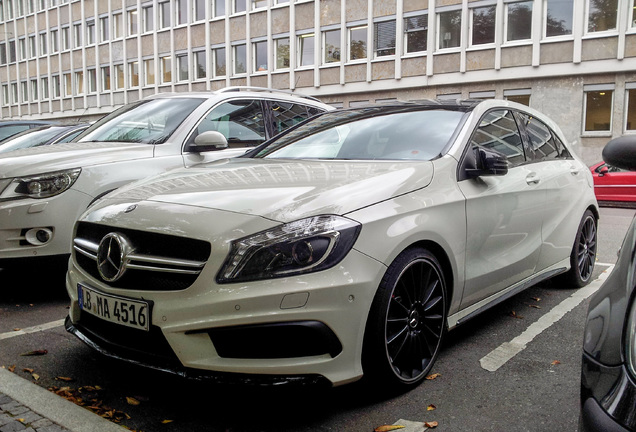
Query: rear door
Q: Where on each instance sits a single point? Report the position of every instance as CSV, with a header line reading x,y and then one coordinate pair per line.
x,y
504,214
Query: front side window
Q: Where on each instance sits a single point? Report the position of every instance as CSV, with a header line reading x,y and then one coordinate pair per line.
x,y
260,56
306,49
331,46
282,53
285,114
598,110
358,43
241,122
384,38
416,33
519,21
450,29
601,15
150,121
498,131
558,17
483,30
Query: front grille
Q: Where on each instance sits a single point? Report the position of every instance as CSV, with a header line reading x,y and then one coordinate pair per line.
x,y
158,262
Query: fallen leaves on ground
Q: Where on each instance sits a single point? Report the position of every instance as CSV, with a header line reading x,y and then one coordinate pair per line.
x,y
431,425
431,407
536,299
132,401
67,379
433,376
11,368
387,428
534,306
515,315
556,362
35,353
87,397
166,421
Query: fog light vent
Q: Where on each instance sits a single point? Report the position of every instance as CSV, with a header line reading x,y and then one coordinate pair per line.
x,y
38,236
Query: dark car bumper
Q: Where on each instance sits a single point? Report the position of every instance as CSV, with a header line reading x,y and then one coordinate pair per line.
x,y
608,397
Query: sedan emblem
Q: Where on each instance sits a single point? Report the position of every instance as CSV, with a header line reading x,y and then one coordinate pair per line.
x,y
112,256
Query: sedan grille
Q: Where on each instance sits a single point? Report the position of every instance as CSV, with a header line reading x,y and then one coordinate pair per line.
x,y
147,261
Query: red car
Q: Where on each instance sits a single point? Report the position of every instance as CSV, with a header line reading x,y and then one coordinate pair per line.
x,y
613,185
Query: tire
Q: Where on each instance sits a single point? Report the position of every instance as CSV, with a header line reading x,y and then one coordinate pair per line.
x,y
407,321
583,255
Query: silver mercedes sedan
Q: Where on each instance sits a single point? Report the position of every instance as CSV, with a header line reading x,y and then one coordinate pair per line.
x,y
345,247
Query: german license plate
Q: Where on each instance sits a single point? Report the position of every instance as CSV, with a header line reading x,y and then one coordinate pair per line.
x,y
115,309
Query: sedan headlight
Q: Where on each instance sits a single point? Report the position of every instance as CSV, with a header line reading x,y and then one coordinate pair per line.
x,y
40,186
303,246
630,338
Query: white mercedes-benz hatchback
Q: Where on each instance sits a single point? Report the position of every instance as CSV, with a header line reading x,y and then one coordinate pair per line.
x,y
43,190
344,247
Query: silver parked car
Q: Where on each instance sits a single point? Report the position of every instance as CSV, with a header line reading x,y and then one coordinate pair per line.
x,y
344,247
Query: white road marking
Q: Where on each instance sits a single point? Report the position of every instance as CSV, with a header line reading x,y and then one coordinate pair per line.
x,y
507,350
34,329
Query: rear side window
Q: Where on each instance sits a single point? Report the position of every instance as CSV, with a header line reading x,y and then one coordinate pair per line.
x,y
541,142
286,114
498,131
240,121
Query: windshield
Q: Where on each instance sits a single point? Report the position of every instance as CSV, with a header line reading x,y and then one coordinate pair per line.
x,y
31,138
149,121
369,134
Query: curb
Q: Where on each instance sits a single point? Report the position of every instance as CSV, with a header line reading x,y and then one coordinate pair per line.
x,y
53,407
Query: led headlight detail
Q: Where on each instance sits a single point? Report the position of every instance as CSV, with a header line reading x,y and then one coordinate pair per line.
x,y
307,245
630,338
41,186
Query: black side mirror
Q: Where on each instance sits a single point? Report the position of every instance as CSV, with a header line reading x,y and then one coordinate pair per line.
x,y
621,152
489,163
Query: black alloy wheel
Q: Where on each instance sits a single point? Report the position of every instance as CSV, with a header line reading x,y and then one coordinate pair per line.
x,y
583,254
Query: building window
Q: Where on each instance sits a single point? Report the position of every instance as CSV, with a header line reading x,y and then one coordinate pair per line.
x,y
239,5
90,32
104,29
132,22
198,10
601,15
105,73
558,17
5,94
521,96
120,80
483,25
358,43
91,75
44,86
68,85
182,67
598,109
450,29
282,53
149,71
219,8
34,89
257,4
239,59
306,48
519,21
181,12
56,86
630,103
632,15
33,49
415,33
260,56
3,53
14,93
77,35
43,44
384,38
24,88
218,57
166,69
79,82
55,42
23,49
331,46
199,65
133,74
117,26
12,52
164,14
148,19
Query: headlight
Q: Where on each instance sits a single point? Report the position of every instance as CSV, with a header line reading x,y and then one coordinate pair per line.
x,y
303,246
40,186
630,338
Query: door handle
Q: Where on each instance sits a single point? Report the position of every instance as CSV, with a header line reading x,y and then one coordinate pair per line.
x,y
574,171
532,179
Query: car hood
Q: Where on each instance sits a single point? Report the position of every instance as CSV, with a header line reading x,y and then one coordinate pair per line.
x,y
56,157
282,190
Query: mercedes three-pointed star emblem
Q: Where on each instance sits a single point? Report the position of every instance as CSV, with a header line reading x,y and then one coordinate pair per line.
x,y
112,256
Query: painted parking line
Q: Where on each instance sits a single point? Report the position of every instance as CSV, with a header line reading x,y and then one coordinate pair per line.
x,y
507,350
34,329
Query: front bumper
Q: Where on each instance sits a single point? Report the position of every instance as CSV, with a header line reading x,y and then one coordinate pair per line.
x,y
305,329
608,398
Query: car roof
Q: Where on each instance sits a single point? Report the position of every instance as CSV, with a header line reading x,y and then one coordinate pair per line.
x,y
245,91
